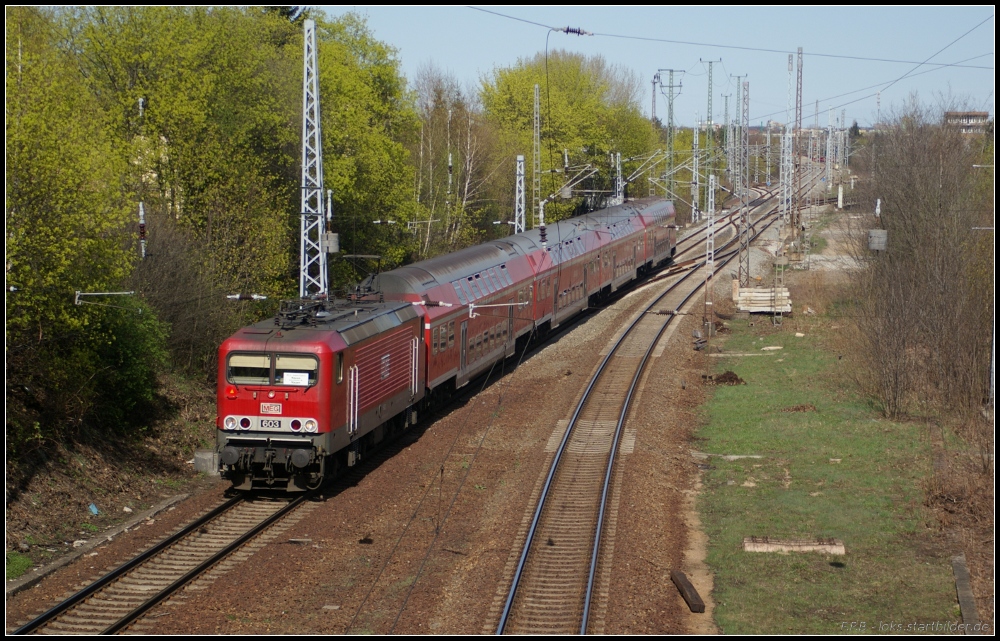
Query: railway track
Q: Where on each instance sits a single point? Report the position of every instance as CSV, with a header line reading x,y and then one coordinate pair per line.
x,y
120,598
553,585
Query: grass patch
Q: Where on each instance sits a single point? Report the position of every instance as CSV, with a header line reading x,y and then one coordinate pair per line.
x,y
17,564
796,412
817,244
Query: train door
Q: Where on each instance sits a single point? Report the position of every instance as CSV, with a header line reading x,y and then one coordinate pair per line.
x,y
465,346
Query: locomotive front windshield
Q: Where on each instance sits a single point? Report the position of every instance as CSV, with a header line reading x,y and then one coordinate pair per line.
x,y
295,370
249,369
273,369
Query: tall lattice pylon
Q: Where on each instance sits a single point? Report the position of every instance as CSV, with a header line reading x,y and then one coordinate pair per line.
x,y
709,317
767,155
312,257
519,196
709,127
695,187
671,193
744,251
797,152
829,152
536,155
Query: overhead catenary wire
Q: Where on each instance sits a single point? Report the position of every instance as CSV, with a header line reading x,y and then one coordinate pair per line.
x,y
866,96
739,47
911,73
936,66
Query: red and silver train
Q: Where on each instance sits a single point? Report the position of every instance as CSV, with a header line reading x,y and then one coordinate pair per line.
x,y
309,392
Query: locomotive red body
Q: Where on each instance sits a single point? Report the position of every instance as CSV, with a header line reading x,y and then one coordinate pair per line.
x,y
304,394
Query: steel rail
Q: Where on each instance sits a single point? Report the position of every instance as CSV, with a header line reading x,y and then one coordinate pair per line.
x,y
727,258
123,569
640,369
204,566
549,478
559,452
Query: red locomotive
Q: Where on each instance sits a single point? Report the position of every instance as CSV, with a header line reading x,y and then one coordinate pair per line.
x,y
305,394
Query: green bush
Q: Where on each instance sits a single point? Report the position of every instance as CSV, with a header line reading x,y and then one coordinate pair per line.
x,y
17,564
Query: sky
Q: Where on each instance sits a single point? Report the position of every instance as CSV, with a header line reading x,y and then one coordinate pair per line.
x,y
849,53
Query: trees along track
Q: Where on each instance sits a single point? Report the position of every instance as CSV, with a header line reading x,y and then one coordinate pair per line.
x,y
552,586
119,598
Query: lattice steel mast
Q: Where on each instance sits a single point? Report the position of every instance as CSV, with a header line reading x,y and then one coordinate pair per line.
x,y
519,197
670,130
709,127
736,177
312,257
729,139
709,317
536,150
695,188
797,159
786,153
744,255
656,81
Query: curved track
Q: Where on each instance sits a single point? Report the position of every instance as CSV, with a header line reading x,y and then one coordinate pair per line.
x,y
551,590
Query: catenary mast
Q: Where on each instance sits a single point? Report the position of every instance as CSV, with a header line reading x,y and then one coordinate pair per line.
x,y
312,257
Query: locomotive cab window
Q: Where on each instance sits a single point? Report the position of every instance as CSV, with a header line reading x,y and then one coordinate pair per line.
x,y
249,369
295,370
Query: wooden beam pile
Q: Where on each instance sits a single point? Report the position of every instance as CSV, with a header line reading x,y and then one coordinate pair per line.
x,y
763,300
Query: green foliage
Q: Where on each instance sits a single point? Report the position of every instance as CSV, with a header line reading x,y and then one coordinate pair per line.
x,y
587,108
131,349
196,112
215,143
366,118
66,225
17,564
66,202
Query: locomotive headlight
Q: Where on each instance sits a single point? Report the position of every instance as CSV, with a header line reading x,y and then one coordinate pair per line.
x,y
310,425
230,423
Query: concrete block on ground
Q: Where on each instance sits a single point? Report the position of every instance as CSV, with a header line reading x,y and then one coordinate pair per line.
x,y
206,461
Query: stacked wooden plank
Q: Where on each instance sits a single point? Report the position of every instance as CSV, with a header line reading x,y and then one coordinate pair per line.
x,y
769,300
